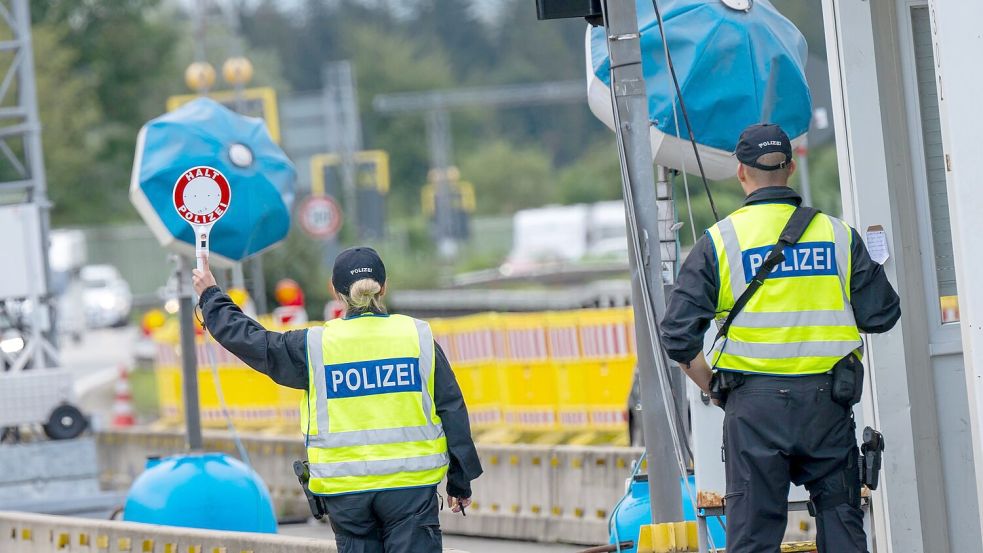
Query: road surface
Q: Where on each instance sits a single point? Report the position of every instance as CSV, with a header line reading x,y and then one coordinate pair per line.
x,y
314,529
95,362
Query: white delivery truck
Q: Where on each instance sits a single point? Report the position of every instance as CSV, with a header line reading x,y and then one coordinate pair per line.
x,y
567,234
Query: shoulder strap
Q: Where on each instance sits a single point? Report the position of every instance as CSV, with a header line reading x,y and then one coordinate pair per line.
x,y
793,231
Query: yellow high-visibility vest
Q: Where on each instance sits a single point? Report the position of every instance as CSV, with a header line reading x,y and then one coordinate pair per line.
x,y
800,321
369,413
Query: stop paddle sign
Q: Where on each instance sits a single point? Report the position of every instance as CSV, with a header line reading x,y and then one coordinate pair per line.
x,y
201,197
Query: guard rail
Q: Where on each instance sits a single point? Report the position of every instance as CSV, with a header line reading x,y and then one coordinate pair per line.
x,y
32,533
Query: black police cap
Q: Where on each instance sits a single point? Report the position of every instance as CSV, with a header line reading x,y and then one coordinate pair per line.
x,y
353,265
760,139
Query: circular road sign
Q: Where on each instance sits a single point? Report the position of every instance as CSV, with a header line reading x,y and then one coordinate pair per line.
x,y
202,195
320,216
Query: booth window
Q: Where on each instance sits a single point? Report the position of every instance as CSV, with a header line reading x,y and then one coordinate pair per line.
x,y
931,129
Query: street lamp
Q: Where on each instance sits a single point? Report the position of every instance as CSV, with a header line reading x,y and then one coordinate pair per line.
x,y
237,71
200,76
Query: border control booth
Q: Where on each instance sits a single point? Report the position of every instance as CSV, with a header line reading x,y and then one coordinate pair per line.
x,y
905,98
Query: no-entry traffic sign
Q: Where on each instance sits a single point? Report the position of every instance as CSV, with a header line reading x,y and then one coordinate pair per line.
x,y
201,197
320,217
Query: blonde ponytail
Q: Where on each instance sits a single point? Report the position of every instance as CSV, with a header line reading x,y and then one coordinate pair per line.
x,y
364,295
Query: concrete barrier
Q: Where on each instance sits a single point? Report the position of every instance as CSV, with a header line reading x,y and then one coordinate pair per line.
x,y
530,492
123,454
54,477
31,533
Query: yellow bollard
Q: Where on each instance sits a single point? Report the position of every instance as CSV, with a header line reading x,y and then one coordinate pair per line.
x,y
667,537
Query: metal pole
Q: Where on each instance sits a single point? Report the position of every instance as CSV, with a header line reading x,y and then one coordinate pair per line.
x,y
238,277
439,138
344,136
189,361
200,17
802,155
351,141
37,194
631,103
258,279
259,284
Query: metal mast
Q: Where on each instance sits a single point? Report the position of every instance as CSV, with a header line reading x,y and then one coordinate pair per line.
x,y
20,149
648,296
344,129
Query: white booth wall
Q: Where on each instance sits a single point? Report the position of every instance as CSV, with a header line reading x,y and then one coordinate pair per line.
x,y
893,174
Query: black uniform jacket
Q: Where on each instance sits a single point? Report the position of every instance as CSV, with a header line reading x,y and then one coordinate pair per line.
x,y
283,357
693,302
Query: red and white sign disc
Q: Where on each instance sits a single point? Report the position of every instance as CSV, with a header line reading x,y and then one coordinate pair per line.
x,y
320,216
202,195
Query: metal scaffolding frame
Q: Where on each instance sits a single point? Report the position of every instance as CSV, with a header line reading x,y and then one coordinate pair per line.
x,y
23,182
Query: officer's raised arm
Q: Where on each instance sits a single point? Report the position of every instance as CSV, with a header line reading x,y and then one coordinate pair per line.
x,y
280,355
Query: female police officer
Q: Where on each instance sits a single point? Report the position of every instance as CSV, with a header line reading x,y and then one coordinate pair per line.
x,y
383,416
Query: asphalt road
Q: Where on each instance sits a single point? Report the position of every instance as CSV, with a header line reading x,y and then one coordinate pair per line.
x,y
95,362
314,529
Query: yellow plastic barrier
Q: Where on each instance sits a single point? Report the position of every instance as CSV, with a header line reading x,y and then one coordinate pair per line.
x,y
520,373
608,352
254,401
572,383
476,343
530,399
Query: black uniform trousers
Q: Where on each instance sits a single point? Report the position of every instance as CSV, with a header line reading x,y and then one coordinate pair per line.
x,y
390,521
782,429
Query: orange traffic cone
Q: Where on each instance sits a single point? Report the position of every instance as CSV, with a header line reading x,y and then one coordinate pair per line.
x,y
123,404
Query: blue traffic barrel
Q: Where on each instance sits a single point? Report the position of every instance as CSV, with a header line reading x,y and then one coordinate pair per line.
x,y
636,511
201,490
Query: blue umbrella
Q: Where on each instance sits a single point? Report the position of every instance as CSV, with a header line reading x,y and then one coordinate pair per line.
x,y
734,67
204,132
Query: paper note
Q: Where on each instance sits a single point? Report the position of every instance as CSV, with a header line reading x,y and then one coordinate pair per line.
x,y
877,244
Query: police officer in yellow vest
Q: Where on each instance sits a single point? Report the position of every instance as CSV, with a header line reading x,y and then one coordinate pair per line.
x,y
781,421
383,417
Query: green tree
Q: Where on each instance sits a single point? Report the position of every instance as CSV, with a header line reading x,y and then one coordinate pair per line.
x,y
507,178
824,181
124,48
594,177
808,17
391,62
69,109
453,27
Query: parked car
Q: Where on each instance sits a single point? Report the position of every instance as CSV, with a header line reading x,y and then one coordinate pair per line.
x,y
105,295
67,255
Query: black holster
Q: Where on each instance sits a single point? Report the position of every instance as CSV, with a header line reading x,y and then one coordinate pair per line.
x,y
722,383
848,380
315,502
870,457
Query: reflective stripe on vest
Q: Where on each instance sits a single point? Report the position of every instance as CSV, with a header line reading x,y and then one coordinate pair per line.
x,y
375,468
784,333
364,459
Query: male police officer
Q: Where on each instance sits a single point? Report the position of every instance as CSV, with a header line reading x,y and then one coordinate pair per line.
x,y
384,418
778,356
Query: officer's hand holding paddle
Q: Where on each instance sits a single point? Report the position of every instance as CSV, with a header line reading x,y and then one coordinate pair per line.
x,y
204,279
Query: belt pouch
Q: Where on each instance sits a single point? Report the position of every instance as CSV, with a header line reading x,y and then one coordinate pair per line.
x,y
848,381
